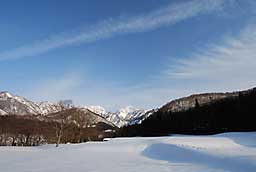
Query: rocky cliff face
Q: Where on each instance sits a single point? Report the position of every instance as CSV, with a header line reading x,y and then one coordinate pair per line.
x,y
186,103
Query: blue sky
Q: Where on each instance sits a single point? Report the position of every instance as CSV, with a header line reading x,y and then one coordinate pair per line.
x,y
117,53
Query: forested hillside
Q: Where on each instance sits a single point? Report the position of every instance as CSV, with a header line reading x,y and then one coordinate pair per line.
x,y
233,113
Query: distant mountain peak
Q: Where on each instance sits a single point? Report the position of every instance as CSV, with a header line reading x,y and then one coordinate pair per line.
x,y
5,94
97,109
12,104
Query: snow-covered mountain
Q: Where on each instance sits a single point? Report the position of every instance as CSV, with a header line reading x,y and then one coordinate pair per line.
x,y
125,116
96,109
12,104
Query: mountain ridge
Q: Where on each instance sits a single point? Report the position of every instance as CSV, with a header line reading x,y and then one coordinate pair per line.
x,y
17,105
12,104
200,114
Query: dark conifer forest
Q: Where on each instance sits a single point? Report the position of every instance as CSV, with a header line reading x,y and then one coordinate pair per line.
x,y
226,115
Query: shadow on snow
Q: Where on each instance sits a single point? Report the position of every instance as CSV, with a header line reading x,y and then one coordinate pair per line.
x,y
172,153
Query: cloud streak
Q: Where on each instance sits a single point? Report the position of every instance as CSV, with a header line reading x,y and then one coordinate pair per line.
x,y
228,65
225,66
165,16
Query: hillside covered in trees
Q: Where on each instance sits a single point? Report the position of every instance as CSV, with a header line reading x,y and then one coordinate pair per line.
x,y
68,126
207,113
232,113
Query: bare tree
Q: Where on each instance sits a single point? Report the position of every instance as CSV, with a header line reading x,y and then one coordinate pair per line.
x,y
59,130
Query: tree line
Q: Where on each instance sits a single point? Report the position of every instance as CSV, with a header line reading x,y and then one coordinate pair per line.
x,y
33,130
225,115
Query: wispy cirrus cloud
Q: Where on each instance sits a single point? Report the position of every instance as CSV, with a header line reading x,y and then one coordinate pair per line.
x,y
165,16
227,65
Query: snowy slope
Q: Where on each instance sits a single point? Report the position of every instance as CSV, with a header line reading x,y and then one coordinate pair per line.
x,y
48,107
2,112
124,116
220,153
17,105
96,109
12,104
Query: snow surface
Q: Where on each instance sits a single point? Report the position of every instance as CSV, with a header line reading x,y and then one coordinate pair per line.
x,y
233,152
2,112
97,109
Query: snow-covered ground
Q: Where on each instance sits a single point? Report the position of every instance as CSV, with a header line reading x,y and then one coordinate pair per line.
x,y
233,152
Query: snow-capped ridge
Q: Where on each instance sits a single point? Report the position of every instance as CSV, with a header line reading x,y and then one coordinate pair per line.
x,y
12,104
5,94
125,116
96,109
